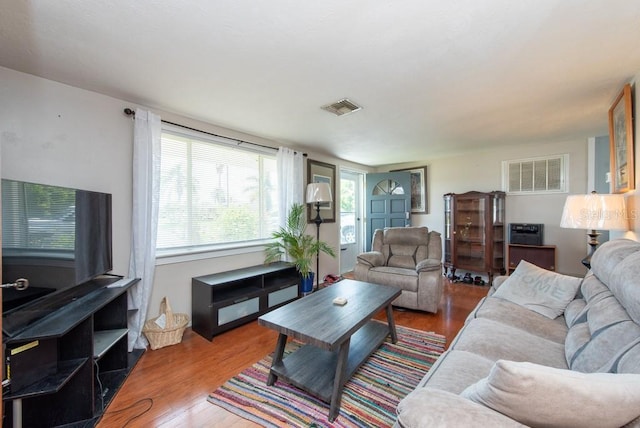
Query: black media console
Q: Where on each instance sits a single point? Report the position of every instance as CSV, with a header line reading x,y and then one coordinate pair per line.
x,y
65,368
226,300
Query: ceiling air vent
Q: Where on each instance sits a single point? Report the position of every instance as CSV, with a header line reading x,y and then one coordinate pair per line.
x,y
342,107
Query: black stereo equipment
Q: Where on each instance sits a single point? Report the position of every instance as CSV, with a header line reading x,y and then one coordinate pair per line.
x,y
526,234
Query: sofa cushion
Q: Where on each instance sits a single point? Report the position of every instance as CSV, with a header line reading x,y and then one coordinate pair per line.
x,y
617,264
454,370
428,407
592,288
602,348
577,338
495,341
536,395
605,261
540,290
602,330
629,362
514,315
625,285
574,312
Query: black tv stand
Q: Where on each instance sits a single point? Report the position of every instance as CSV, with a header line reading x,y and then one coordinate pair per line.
x,y
66,367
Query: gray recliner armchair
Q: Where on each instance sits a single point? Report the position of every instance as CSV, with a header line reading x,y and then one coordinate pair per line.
x,y
409,258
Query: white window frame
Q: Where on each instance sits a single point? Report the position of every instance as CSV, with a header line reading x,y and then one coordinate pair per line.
x,y
564,171
185,254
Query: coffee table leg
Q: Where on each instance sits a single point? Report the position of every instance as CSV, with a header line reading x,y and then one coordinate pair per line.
x,y
277,357
339,380
392,324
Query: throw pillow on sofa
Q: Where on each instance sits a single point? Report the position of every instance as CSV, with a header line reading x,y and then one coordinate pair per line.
x,y
539,396
545,292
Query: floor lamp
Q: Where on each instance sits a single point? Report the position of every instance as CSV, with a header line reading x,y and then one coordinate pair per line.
x,y
318,193
595,211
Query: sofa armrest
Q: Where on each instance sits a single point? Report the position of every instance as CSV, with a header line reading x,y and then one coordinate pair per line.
x,y
427,265
372,258
430,407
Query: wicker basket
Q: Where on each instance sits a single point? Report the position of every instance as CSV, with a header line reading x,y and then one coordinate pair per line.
x,y
171,334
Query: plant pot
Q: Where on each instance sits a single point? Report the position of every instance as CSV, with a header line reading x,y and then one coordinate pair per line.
x,y
306,284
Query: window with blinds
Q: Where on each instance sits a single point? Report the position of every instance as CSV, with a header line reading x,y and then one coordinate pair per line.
x,y
535,175
213,194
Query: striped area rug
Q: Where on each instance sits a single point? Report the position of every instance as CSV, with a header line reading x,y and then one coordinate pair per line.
x,y
369,399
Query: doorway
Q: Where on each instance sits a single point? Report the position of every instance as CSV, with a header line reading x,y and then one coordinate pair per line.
x,y
388,201
351,213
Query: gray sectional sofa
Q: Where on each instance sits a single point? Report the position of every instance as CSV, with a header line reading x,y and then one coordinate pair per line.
x,y
543,349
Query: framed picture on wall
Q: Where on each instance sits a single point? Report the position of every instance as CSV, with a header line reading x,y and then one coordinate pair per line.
x,y
419,194
621,142
320,172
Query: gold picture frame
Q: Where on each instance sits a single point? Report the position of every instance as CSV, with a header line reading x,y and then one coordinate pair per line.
x,y
419,192
321,172
621,142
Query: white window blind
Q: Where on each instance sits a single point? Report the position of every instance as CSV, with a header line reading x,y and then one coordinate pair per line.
x,y
536,175
213,193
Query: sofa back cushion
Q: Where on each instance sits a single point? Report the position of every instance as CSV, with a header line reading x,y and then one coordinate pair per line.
x,y
617,264
604,323
629,361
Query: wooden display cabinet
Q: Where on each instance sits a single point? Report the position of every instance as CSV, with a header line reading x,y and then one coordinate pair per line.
x,y
474,233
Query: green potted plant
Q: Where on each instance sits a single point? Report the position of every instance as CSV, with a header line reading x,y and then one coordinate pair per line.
x,y
301,248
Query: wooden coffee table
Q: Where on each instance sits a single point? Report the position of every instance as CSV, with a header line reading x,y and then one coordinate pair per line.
x,y
338,339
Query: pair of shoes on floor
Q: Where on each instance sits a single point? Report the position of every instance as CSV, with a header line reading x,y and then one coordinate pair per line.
x,y
468,279
478,280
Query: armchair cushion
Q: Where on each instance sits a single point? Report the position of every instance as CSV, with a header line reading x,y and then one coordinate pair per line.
x,y
372,258
427,265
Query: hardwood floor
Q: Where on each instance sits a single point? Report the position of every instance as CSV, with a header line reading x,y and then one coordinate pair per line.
x,y
169,386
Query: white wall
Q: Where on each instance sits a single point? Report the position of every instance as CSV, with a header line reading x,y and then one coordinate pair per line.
x,y
57,134
482,171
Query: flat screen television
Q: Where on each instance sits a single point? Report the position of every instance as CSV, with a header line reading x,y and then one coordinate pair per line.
x,y
57,238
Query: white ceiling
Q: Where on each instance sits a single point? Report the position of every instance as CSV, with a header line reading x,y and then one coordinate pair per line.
x,y
433,77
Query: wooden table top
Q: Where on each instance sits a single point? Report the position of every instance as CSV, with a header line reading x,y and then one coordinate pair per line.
x,y
315,320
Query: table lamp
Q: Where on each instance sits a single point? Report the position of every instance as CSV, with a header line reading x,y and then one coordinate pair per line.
x,y
594,212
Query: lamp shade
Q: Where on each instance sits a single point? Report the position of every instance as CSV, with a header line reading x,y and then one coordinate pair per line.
x,y
318,192
595,211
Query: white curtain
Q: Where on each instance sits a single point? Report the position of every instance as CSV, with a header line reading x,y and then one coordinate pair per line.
x,y
290,181
144,219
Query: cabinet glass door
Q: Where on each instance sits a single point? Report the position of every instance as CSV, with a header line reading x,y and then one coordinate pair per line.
x,y
447,229
498,232
470,233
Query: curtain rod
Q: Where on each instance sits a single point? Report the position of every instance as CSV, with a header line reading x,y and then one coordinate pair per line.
x,y
132,113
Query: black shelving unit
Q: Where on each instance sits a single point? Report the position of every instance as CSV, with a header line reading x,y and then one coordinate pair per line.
x,y
66,367
226,300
